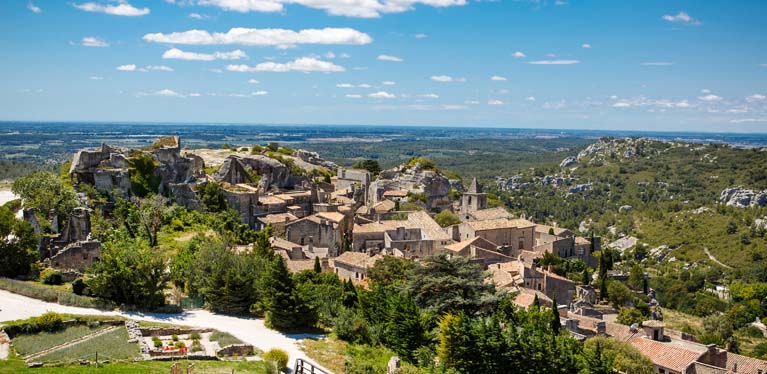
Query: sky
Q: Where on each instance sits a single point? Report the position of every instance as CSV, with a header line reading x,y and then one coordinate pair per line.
x,y
625,65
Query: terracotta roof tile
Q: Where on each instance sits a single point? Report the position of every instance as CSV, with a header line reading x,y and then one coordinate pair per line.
x,y
665,355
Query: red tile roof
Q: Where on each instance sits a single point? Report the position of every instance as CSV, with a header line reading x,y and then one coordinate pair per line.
x,y
665,355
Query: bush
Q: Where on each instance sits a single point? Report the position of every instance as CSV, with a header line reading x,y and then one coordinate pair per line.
x,y
277,356
179,345
195,336
157,342
79,287
174,337
51,277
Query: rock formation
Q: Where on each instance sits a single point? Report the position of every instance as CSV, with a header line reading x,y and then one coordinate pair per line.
x,y
743,198
413,179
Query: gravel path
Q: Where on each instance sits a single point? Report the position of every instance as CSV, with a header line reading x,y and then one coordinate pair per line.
x,y
249,330
712,258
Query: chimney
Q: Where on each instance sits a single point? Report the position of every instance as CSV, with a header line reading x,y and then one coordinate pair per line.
x,y
711,348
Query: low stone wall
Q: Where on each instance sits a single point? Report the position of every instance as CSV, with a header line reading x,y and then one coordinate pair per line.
x,y
236,349
163,331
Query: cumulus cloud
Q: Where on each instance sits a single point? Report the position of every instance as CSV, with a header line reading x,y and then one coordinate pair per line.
x,y
345,85
705,91
128,67
388,83
389,58
446,79
494,102
518,54
33,8
586,45
158,68
643,101
710,98
554,62
361,9
281,38
164,92
497,78
382,95
253,81
353,96
429,96
175,53
658,63
95,78
303,64
530,98
198,16
756,97
681,17
92,41
420,36
259,93
120,9
471,102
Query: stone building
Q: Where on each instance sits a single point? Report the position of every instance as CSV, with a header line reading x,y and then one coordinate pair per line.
x,y
479,251
417,236
77,256
514,234
324,229
554,286
354,265
472,200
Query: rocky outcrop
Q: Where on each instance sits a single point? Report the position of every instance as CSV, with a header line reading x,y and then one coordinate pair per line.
x,y
567,162
743,198
580,188
184,195
314,159
243,169
414,179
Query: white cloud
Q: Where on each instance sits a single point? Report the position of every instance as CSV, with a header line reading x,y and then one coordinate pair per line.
x,y
303,64
195,94
281,38
92,41
388,83
175,53
658,63
756,97
364,85
345,85
497,78
259,93
621,104
164,92
530,98
749,120
361,9
452,107
705,91
429,96
420,36
120,9
389,58
763,65
586,45
128,67
158,68
710,98
344,55
518,54
446,78
253,81
681,17
353,96
198,16
382,95
95,78
471,102
554,62
330,55
34,8
494,102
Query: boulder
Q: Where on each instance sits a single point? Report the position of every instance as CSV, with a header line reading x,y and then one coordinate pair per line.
x,y
236,170
743,198
567,162
314,159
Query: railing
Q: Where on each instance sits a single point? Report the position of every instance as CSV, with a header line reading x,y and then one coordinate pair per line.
x,y
304,367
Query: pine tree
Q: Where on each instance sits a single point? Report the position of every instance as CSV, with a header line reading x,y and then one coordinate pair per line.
x,y
536,302
603,288
349,294
556,324
263,246
404,331
586,279
453,349
317,266
285,308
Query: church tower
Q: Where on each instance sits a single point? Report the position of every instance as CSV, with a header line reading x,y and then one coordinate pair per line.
x,y
473,200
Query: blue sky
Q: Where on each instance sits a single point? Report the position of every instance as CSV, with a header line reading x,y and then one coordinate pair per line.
x,y
632,65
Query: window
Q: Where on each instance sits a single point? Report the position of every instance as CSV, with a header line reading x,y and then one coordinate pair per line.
x,y
521,243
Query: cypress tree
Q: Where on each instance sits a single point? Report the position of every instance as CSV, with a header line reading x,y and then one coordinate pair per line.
x,y
556,324
404,331
536,302
285,308
317,266
586,279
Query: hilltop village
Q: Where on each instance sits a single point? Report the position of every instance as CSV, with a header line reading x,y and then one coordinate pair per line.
x,y
348,219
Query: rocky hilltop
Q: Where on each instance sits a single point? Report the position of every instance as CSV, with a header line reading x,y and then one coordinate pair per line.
x,y
415,179
740,197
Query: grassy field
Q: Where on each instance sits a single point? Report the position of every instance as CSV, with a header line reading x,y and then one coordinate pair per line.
x,y
18,366
329,352
113,346
29,344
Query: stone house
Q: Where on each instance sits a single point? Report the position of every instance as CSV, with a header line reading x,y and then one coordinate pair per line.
x,y
553,285
415,237
479,251
77,256
354,265
514,234
324,229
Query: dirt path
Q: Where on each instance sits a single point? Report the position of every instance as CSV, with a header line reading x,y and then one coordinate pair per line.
x,y
71,343
710,256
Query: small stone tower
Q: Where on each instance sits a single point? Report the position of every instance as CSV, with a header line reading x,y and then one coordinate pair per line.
x,y
473,200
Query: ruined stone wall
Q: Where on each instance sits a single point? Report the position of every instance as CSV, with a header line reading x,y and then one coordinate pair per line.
x,y
306,231
236,349
244,203
79,256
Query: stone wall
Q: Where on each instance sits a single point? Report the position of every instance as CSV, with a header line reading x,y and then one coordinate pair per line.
x,y
78,255
163,331
236,349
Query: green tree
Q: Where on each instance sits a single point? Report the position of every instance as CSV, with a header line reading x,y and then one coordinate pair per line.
x,y
143,177
212,196
390,270
453,350
262,246
630,316
285,308
636,277
625,358
451,284
151,211
595,361
405,332
447,218
586,277
371,166
130,273
45,191
18,245
317,266
556,323
619,294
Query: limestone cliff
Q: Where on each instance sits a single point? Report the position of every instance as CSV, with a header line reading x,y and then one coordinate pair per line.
x,y
414,179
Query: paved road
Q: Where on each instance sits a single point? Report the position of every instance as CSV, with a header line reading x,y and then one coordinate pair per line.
x,y
249,330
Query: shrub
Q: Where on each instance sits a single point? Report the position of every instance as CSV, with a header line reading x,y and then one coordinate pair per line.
x,y
277,356
174,337
157,342
50,321
79,287
195,336
179,345
52,277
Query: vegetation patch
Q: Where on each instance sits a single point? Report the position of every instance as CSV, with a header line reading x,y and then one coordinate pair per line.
x,y
111,346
